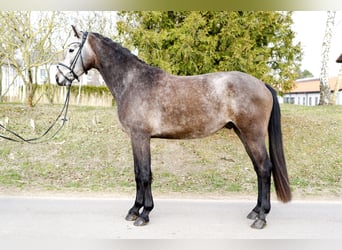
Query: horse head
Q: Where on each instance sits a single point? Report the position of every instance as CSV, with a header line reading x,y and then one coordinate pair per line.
x,y
78,59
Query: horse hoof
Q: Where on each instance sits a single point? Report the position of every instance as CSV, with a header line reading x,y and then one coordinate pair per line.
x,y
131,217
259,224
252,215
140,222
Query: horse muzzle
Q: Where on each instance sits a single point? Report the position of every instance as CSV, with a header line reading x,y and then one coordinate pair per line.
x,y
61,80
65,79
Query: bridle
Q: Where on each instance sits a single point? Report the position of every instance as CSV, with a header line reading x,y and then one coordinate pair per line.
x,y
73,63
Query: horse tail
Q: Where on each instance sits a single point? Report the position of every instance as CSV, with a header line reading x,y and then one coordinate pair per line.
x,y
280,177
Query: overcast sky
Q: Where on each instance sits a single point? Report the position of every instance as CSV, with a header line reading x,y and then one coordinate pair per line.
x,y
310,28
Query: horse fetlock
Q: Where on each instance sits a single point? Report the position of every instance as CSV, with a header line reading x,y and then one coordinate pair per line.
x,y
252,215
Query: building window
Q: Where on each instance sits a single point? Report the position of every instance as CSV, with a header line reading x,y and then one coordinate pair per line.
x,y
290,100
316,100
304,101
310,101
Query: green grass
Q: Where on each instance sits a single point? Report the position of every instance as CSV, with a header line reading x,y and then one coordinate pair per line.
x,y
92,154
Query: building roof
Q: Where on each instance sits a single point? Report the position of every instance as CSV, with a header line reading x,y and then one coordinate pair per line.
x,y
311,85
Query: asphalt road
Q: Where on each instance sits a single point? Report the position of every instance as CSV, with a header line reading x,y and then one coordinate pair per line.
x,y
103,218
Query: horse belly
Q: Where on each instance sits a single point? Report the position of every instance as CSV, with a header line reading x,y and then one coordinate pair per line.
x,y
187,125
194,108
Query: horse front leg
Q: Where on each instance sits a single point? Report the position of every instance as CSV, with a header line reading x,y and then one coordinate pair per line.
x,y
143,179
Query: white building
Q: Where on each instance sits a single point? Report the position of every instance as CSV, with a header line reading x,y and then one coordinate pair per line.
x,y
306,92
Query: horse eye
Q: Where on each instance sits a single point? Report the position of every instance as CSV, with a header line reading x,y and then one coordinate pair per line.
x,y
71,50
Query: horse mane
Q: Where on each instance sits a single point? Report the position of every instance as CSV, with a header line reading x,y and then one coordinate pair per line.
x,y
124,61
124,51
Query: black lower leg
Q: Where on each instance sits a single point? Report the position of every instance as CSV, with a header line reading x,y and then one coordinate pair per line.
x,y
133,213
148,203
264,175
143,218
253,215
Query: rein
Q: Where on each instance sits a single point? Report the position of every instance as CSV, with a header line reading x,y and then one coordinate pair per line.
x,y
19,138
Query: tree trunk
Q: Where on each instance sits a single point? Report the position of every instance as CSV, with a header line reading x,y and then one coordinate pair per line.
x,y
30,101
31,89
324,78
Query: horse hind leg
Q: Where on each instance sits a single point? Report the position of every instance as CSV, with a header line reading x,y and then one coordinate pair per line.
x,y
263,207
255,146
262,166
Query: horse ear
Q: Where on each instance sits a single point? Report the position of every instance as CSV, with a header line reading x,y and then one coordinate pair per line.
x,y
77,33
339,59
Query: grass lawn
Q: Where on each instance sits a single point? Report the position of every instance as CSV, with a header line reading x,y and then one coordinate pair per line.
x,y
92,154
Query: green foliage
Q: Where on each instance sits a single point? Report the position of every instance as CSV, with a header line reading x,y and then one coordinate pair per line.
x,y
197,42
305,74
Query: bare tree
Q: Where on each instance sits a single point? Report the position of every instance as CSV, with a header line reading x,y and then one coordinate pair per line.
x,y
324,78
27,44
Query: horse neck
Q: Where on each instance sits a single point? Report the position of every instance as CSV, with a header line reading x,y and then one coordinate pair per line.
x,y
118,67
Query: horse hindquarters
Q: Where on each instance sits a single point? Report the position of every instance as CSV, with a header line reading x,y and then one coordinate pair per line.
x,y
250,123
253,138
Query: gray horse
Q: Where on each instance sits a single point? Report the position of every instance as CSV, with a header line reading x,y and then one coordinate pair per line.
x,y
152,103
